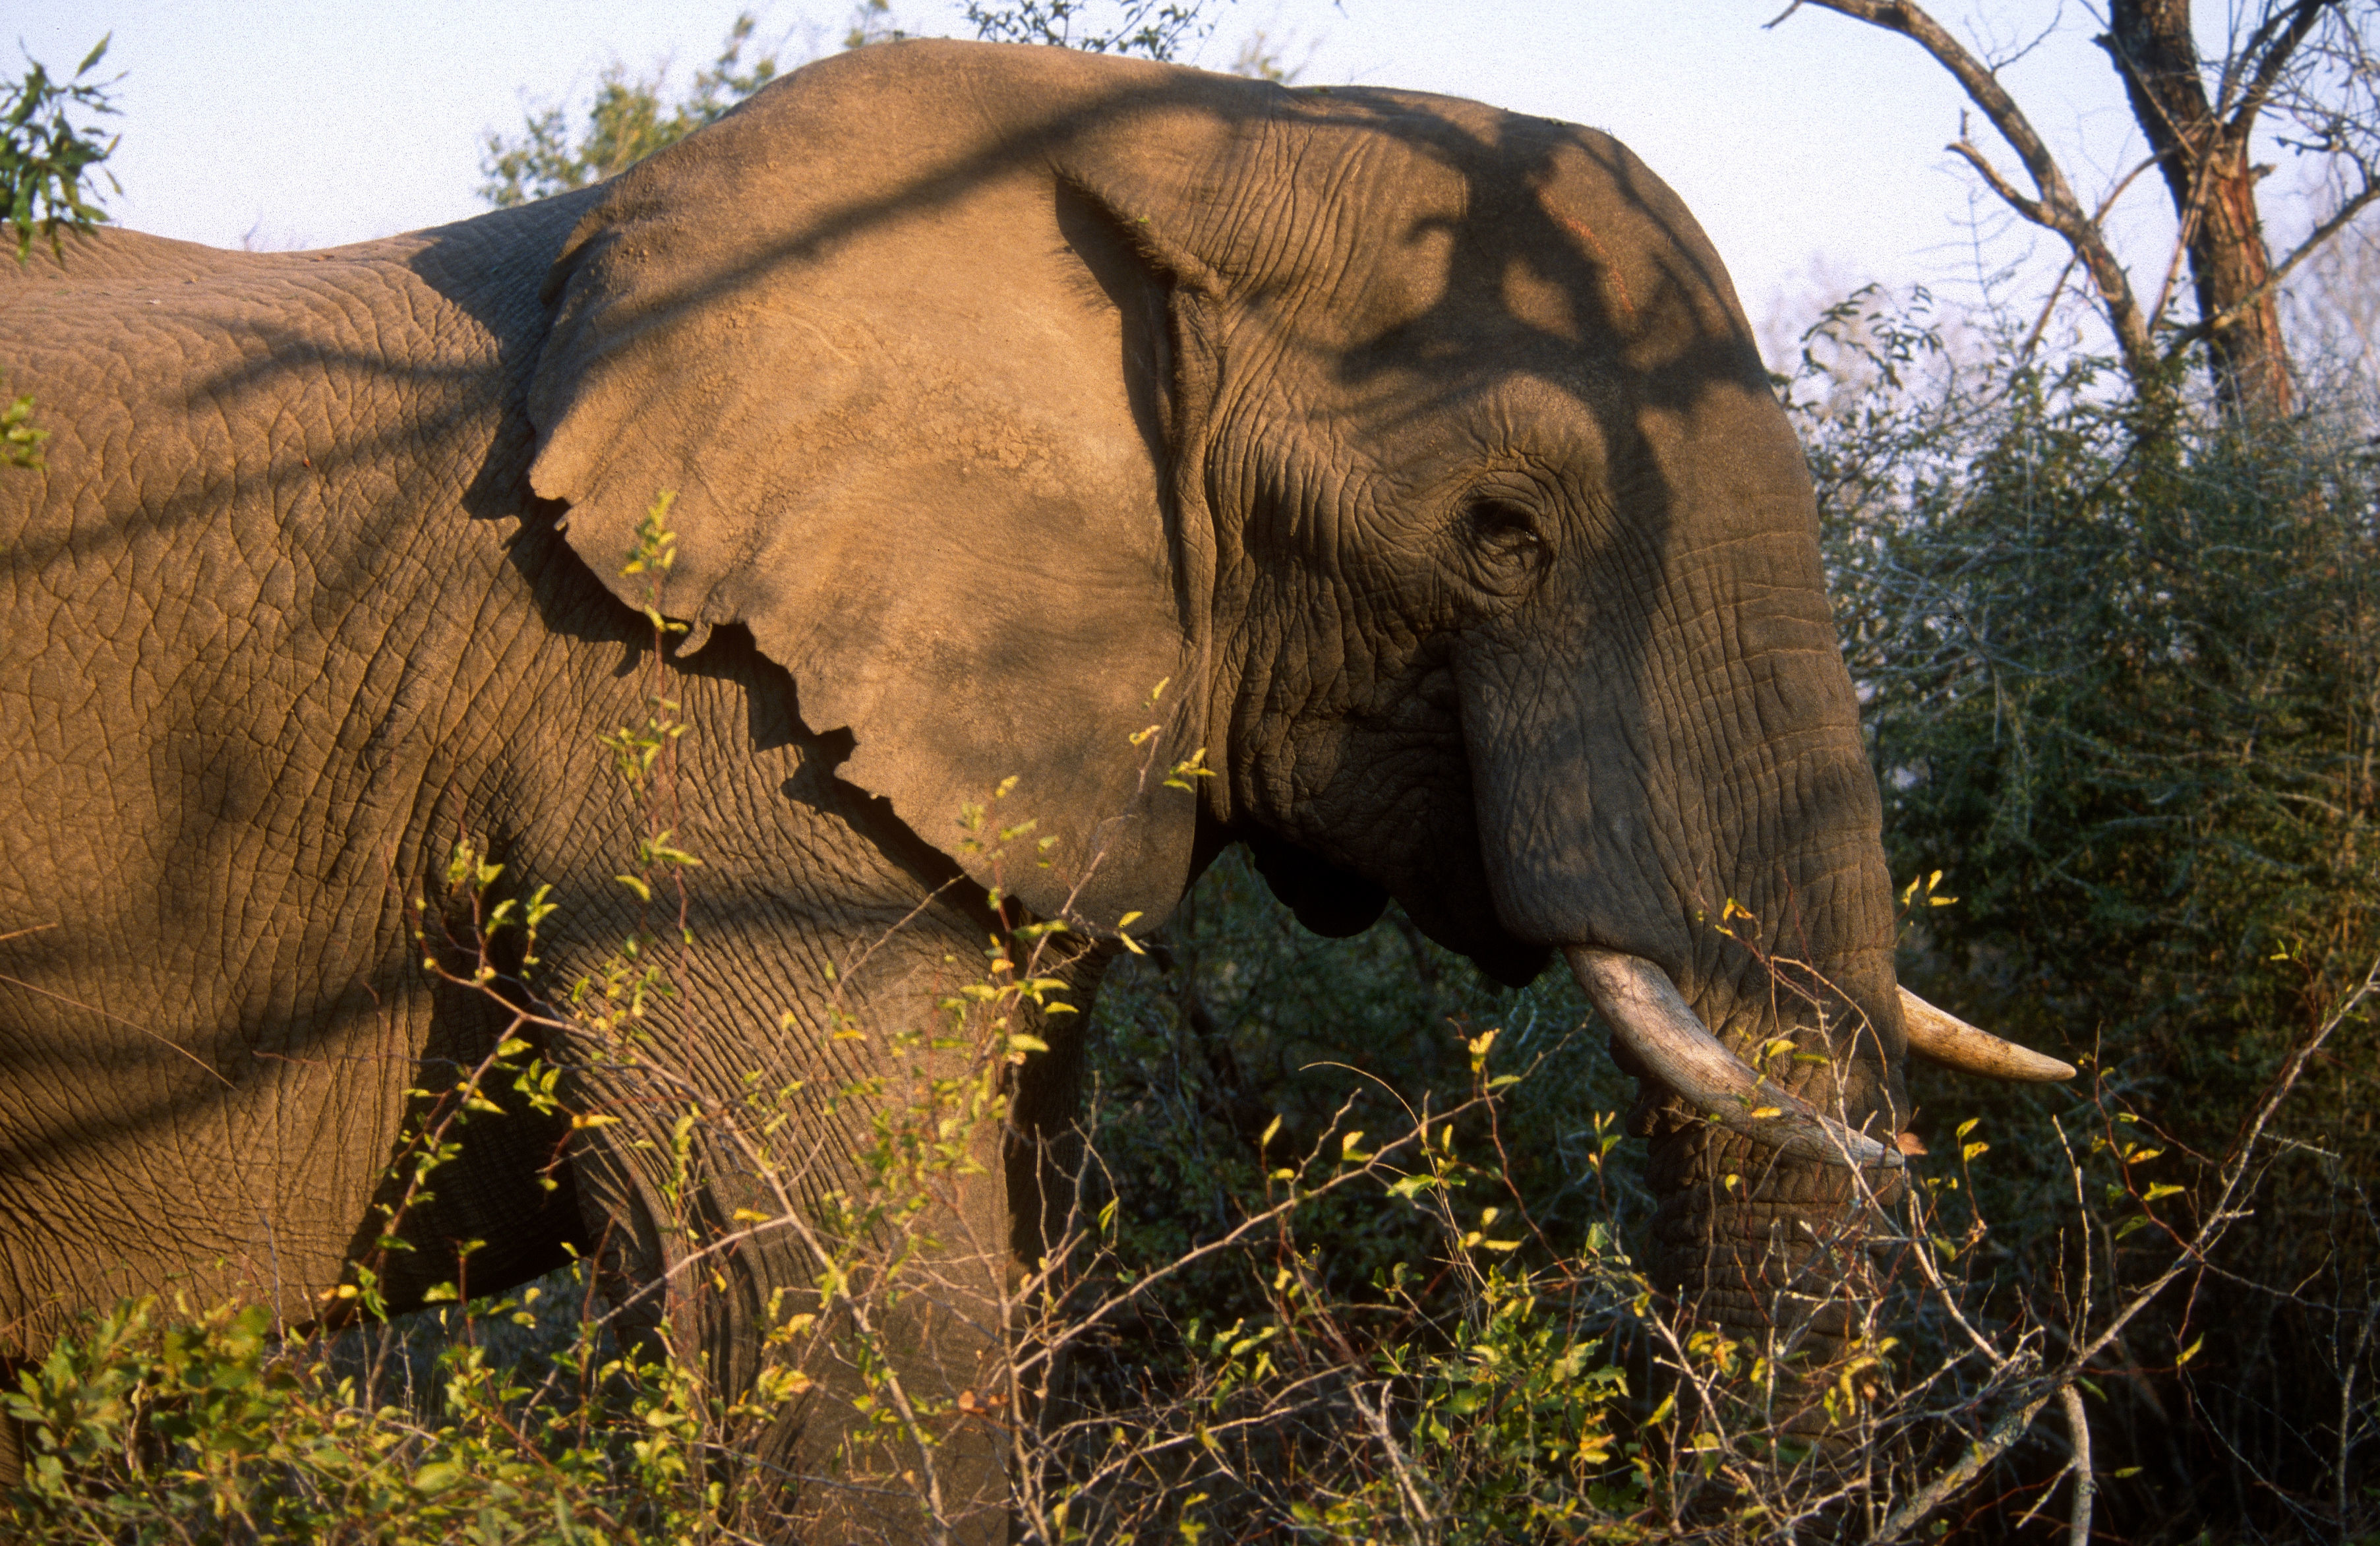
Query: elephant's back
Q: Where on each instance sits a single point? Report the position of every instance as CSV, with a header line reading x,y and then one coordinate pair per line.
x,y
235,585
85,266
108,256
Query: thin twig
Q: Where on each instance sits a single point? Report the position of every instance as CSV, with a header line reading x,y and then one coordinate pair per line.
x,y
2078,1428
159,1037
1376,1419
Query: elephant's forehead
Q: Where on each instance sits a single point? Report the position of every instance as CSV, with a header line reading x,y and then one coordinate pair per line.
x,y
1575,410
1435,208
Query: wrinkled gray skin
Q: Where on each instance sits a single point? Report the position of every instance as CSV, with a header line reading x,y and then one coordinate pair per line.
x,y
1421,446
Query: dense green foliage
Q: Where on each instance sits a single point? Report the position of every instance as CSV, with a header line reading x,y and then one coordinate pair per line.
x,y
46,163
2126,701
2124,691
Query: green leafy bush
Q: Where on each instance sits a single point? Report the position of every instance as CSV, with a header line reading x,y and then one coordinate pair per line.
x,y
626,121
47,158
212,1428
2123,690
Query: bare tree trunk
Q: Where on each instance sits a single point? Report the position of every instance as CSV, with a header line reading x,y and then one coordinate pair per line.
x,y
2204,157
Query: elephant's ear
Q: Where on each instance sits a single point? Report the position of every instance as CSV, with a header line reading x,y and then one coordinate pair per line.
x,y
910,388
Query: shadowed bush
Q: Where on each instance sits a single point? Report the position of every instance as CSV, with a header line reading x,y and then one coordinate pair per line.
x,y
2123,689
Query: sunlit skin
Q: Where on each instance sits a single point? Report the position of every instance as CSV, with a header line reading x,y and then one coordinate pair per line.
x,y
1420,451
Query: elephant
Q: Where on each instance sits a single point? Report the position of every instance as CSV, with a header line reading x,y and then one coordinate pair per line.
x,y
1031,421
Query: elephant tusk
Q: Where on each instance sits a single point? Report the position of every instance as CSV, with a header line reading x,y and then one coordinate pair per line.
x,y
1655,1023
1943,1037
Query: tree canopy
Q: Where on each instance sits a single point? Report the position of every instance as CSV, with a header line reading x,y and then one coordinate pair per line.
x,y
46,163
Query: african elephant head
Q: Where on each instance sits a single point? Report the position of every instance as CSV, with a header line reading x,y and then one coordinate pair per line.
x,y
1421,448
1405,464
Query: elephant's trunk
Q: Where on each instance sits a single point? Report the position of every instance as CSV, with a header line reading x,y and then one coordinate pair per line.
x,y
1767,1180
1769,1243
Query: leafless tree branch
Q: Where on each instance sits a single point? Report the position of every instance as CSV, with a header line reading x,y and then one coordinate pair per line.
x,y
2274,60
2056,209
2029,208
2078,1426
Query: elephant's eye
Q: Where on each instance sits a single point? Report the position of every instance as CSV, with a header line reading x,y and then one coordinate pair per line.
x,y
1503,535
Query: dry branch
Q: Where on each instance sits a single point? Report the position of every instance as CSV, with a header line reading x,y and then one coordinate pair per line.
x,y
2056,208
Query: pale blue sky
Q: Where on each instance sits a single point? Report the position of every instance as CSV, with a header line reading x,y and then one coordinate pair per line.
x,y
1821,141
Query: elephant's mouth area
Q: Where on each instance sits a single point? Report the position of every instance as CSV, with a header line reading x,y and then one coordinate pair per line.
x,y
1660,1034
1656,1031
1336,903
